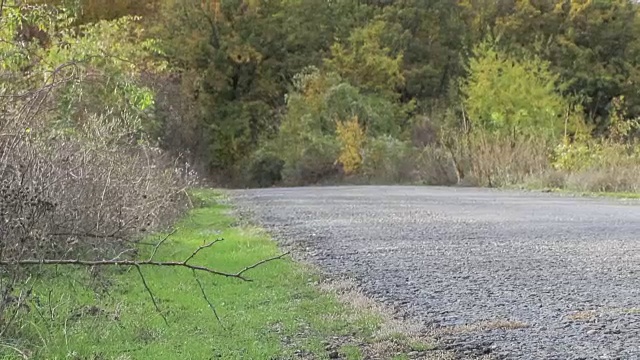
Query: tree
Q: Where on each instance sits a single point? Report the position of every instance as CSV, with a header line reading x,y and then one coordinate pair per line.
x,y
90,11
366,63
512,96
592,45
431,36
243,56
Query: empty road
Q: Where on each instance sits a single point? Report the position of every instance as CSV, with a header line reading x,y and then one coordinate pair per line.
x,y
535,276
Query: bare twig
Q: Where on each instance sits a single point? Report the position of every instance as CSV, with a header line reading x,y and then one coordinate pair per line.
x,y
153,298
206,298
116,262
239,274
101,236
122,253
201,248
155,248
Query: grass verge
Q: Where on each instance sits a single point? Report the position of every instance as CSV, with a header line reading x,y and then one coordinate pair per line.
x,y
87,315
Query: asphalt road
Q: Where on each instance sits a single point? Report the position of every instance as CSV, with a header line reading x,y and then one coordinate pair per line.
x,y
534,276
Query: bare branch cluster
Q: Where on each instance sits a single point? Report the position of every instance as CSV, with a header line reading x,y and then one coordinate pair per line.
x,y
69,200
80,183
75,198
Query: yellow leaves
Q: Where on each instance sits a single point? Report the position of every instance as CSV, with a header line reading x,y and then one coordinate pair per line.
x,y
578,7
352,138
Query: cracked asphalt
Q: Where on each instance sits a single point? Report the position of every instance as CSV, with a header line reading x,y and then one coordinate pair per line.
x,y
517,275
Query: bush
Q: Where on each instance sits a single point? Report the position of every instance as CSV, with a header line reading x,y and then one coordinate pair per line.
x,y
613,179
264,169
499,161
608,164
79,176
351,137
550,179
594,165
388,160
435,166
69,200
179,128
575,156
511,95
316,162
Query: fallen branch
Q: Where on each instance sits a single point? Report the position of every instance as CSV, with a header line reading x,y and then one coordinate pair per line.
x,y
153,298
206,298
155,248
136,263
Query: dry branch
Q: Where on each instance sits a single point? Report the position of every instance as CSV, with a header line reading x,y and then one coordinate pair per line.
x,y
155,248
206,298
138,263
153,298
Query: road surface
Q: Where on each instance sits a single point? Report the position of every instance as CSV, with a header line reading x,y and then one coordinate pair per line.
x,y
534,276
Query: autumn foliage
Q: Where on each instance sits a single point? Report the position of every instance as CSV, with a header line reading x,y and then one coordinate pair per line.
x,y
352,138
252,85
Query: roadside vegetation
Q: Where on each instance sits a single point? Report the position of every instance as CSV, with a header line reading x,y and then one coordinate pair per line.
x,y
256,93
280,314
110,112
504,93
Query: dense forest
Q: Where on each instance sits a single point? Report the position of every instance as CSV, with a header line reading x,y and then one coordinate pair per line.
x,y
257,93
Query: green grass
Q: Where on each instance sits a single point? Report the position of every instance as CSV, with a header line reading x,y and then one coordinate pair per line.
x,y
276,316
569,191
617,195
605,194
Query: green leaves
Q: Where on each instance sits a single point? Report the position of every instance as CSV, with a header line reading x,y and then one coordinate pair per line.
x,y
366,62
507,94
592,45
91,70
383,63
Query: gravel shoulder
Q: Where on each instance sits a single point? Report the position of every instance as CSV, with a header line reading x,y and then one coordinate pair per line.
x,y
512,274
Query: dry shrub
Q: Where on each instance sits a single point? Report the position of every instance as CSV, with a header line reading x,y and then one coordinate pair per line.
x,y
435,166
424,132
63,199
89,193
612,179
550,179
389,160
500,161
